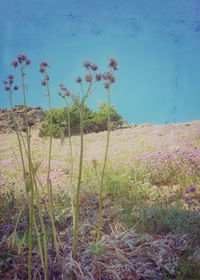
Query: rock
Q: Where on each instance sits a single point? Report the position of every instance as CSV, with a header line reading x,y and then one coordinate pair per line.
x,y
35,116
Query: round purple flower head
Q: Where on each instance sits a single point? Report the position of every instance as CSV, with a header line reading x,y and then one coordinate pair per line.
x,y
113,64
14,63
86,64
16,87
43,83
98,77
88,78
94,67
78,80
21,58
7,88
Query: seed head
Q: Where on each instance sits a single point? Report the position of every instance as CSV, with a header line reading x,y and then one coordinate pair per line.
x,y
94,67
14,63
16,87
7,88
106,85
43,83
5,82
88,78
86,64
98,77
79,80
113,64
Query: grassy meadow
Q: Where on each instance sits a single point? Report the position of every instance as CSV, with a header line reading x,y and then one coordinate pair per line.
x,y
151,205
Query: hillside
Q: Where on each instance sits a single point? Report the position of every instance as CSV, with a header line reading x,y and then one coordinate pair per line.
x,y
151,222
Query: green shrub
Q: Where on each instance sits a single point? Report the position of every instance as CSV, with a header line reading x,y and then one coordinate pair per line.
x,y
93,121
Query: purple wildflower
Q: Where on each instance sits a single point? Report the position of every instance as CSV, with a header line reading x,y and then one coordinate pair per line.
x,y
14,63
5,227
21,58
43,83
28,62
42,69
16,87
79,80
98,77
113,64
7,88
88,78
45,64
86,64
94,67
192,189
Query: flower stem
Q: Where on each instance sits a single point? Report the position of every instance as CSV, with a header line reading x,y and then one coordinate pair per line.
x,y
103,171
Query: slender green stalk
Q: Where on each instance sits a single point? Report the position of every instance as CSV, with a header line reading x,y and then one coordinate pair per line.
x,y
44,239
30,173
48,175
17,133
103,171
75,230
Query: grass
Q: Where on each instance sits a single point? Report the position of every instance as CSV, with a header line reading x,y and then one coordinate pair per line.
x,y
137,194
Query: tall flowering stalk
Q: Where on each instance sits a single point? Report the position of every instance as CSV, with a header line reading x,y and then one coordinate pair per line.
x,y
108,76
91,77
29,174
65,94
45,82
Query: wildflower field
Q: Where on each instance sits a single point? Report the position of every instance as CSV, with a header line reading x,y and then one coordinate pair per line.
x,y
129,210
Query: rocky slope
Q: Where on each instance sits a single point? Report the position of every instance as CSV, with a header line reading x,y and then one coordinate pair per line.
x,y
35,116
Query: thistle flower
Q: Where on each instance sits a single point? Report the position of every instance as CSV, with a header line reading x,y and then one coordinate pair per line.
x,y
45,64
42,69
106,85
21,58
5,82
7,88
14,63
107,76
16,87
79,80
98,77
43,83
113,79
113,64
86,64
10,77
28,62
62,86
88,78
94,67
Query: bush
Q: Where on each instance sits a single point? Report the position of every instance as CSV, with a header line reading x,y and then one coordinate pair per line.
x,y
93,121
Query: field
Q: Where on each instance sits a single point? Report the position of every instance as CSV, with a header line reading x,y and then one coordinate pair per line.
x,y
151,205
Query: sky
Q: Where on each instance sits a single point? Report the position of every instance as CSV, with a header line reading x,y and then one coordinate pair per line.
x,y
155,42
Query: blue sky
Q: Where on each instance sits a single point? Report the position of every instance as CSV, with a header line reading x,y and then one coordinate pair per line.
x,y
156,43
